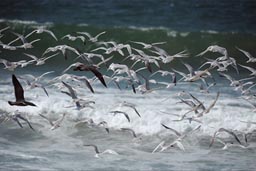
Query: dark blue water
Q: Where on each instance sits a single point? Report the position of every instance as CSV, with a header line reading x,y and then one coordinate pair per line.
x,y
192,15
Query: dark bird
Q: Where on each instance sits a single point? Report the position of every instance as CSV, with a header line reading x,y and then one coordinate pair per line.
x,y
78,66
93,69
19,94
16,116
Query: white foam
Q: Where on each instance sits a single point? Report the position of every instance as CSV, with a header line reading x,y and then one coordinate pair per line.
x,y
224,114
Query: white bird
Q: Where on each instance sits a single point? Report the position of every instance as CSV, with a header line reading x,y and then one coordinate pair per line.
x,y
215,48
28,45
98,153
252,70
35,81
148,45
41,30
131,131
224,130
55,124
234,82
121,112
248,55
63,49
130,105
40,61
74,38
230,144
177,141
72,94
104,124
91,38
13,65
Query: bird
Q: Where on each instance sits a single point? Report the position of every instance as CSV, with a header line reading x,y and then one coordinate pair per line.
x,y
40,61
105,125
231,144
252,70
91,38
207,110
11,66
16,116
215,48
78,66
63,49
148,45
56,124
131,131
19,94
248,55
223,130
171,129
74,38
34,83
98,153
72,94
40,30
120,112
177,141
130,105
234,82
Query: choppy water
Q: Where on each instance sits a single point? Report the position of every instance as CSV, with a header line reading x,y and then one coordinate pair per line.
x,y
192,26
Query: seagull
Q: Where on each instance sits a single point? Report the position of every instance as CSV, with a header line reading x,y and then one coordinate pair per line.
x,y
16,116
92,39
40,30
13,65
55,124
105,125
252,70
171,129
130,105
19,94
74,38
28,45
234,82
40,61
120,112
215,48
78,66
63,49
87,121
177,141
224,130
131,131
148,45
207,110
248,55
34,83
98,152
72,94
230,144
85,80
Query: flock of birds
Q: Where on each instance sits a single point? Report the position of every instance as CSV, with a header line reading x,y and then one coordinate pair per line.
x,y
148,61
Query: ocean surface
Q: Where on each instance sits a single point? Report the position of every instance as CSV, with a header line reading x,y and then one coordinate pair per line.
x,y
190,26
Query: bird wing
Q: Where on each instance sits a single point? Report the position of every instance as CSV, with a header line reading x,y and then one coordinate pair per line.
x,y
51,123
19,92
98,75
71,90
173,130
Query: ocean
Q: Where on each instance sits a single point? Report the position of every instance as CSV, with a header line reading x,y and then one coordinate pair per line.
x,y
189,27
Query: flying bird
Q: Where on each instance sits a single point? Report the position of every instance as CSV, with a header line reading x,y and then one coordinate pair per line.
x,y
19,94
